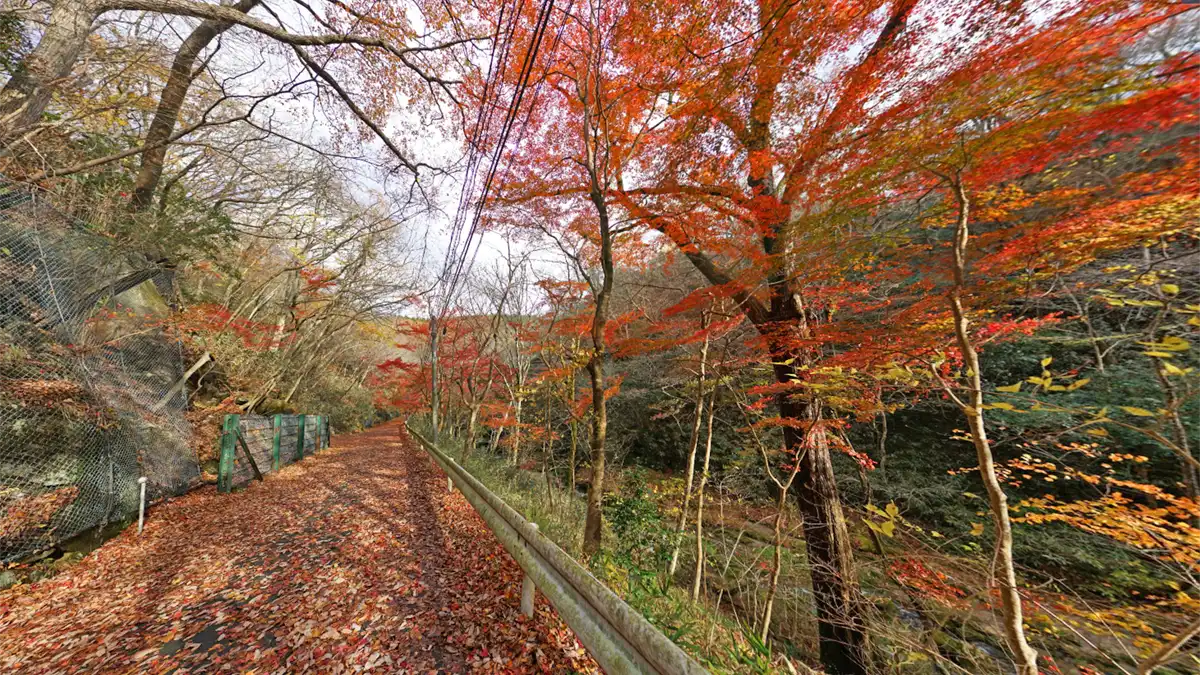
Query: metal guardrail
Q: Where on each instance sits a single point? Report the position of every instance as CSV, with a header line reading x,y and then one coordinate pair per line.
x,y
617,636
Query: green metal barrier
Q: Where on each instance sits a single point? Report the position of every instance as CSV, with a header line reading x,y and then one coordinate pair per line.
x,y
252,446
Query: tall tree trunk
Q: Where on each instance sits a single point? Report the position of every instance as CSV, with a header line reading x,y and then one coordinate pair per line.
x,y
29,90
548,453
495,442
698,570
574,439
516,448
1004,574
593,524
841,628
434,401
170,102
698,416
472,430
840,625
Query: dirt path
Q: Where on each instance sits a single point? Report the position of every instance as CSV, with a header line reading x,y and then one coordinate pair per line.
x,y
354,560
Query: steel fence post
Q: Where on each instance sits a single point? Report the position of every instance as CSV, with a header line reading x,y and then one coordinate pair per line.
x,y
528,590
277,427
228,447
300,436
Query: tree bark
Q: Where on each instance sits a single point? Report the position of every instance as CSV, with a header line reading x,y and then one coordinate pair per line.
x,y
593,524
516,447
181,383
170,101
843,638
433,378
472,428
29,90
840,626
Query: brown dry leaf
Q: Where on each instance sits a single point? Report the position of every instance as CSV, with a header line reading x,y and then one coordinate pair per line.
x,y
354,558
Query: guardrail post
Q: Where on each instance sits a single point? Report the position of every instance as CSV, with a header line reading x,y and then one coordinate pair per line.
x,y
277,427
622,641
528,590
141,503
300,436
228,448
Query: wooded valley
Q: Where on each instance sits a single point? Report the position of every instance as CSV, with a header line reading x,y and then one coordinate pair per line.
x,y
844,337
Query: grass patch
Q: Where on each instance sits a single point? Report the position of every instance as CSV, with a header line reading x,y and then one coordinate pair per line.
x,y
632,562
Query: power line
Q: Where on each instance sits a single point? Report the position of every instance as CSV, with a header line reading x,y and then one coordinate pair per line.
x,y
482,122
542,21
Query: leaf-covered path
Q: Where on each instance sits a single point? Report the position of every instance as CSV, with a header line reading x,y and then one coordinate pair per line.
x,y
353,560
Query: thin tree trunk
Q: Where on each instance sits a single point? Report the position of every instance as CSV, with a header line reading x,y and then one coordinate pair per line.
x,y
1191,477
698,416
780,508
516,448
868,494
548,454
883,433
593,525
495,439
307,368
1004,574
1167,650
844,644
574,439
181,383
434,401
777,565
698,570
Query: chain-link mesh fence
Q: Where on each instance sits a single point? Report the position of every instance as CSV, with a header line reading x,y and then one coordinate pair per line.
x,y
89,379
266,444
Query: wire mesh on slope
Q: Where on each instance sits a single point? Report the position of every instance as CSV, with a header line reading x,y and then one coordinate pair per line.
x,y
85,371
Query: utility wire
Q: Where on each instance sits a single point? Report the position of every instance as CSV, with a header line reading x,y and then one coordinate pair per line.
x,y
541,23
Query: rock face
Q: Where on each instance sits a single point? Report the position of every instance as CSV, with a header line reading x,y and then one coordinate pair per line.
x,y
83,361
128,313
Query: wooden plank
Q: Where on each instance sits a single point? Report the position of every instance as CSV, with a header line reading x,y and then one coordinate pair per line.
x,y
179,385
300,419
250,457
